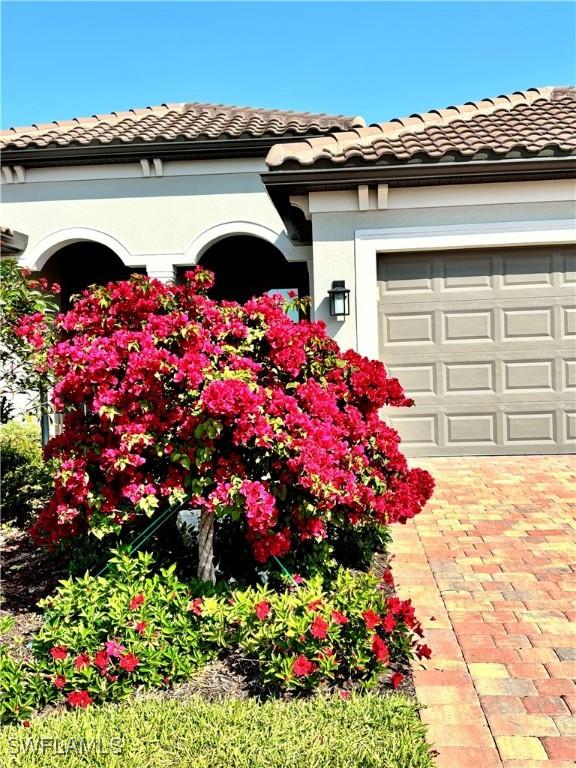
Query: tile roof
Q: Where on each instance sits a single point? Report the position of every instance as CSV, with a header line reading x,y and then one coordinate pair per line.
x,y
175,122
527,121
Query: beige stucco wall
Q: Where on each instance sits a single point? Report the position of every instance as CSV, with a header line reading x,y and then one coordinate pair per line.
x,y
334,233
155,221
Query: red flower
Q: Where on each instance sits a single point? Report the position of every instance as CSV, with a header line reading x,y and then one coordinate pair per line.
x,y
387,577
314,605
137,601
101,660
129,662
372,619
196,606
140,627
344,695
59,681
26,723
81,661
262,610
319,628
339,618
59,652
380,649
112,678
303,667
422,651
389,623
396,679
79,699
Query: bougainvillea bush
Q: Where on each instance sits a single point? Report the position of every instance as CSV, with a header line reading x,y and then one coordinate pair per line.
x,y
170,396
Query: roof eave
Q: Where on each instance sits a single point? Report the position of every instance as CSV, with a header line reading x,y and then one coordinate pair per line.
x,y
407,174
94,154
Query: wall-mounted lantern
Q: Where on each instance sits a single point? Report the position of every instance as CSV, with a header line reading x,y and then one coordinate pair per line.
x,y
339,297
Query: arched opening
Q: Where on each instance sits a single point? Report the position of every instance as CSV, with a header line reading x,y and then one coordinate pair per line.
x,y
79,265
247,266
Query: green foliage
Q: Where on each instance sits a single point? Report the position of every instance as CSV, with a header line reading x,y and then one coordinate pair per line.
x,y
105,636
23,299
26,478
311,636
147,617
364,732
22,689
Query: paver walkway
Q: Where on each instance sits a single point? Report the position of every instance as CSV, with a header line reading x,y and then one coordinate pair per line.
x,y
490,566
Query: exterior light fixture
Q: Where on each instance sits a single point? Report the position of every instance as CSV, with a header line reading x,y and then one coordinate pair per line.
x,y
339,297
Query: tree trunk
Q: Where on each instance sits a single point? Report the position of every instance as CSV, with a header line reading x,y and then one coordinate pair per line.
x,y
206,570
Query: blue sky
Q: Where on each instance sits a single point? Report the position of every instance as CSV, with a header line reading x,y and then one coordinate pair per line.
x,y
376,59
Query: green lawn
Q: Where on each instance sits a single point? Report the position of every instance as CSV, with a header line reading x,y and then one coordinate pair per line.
x,y
364,732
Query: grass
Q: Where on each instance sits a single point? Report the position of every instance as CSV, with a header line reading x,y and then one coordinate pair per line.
x,y
365,732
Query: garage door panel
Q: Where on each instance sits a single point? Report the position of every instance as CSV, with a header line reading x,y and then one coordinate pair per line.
x,y
529,271
483,378
485,344
464,430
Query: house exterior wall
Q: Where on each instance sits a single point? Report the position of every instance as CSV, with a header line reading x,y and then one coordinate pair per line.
x,y
155,222
337,223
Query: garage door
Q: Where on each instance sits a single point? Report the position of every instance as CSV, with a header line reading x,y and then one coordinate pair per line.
x,y
484,342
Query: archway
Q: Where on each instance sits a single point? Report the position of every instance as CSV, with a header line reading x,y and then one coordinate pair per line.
x,y
247,266
78,265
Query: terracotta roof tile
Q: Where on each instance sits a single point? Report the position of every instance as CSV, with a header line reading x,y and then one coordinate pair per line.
x,y
531,121
171,122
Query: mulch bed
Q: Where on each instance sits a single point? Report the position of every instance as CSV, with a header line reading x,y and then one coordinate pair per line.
x,y
29,575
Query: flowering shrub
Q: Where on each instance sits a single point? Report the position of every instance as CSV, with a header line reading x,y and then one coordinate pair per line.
x,y
27,311
308,636
103,637
170,396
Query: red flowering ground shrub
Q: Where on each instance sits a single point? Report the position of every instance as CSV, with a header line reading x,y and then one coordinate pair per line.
x,y
348,635
170,396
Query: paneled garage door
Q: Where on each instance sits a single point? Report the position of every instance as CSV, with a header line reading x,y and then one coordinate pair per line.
x,y
485,343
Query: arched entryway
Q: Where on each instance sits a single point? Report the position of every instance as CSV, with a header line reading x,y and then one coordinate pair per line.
x,y
78,265
247,266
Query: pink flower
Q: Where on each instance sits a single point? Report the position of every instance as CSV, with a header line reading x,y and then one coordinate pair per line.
x,y
344,694
262,609
196,606
339,618
113,648
302,667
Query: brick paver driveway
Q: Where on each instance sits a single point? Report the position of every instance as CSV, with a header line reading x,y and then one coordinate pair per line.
x,y
490,567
